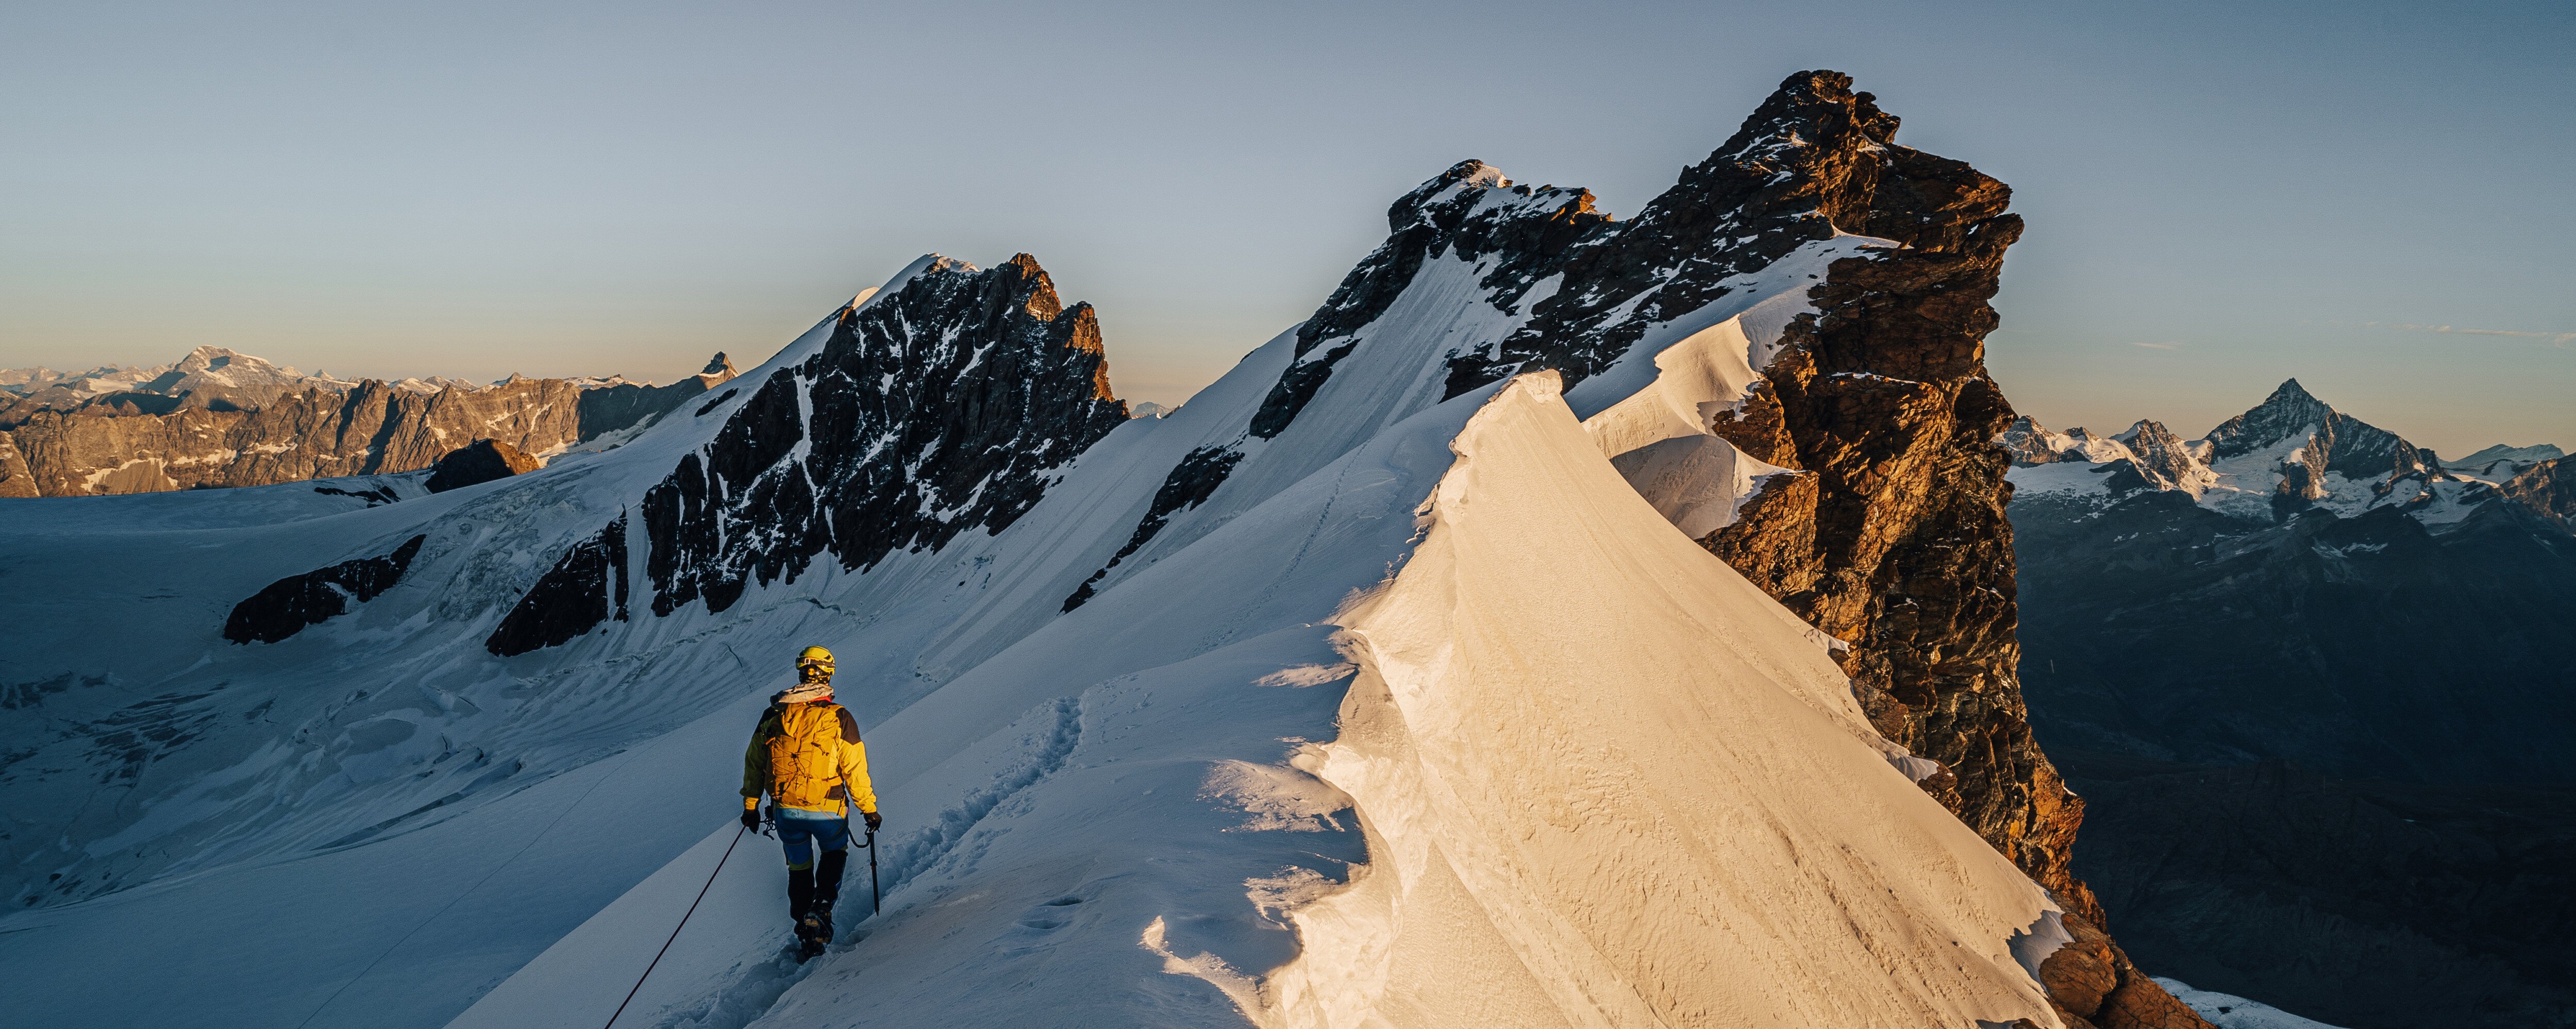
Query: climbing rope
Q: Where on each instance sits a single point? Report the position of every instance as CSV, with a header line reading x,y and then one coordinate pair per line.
x,y
675,930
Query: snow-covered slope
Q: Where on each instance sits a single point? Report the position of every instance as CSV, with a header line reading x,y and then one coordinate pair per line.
x,y
2228,1011
1363,689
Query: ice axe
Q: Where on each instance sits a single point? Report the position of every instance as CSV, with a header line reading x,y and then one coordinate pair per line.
x,y
876,904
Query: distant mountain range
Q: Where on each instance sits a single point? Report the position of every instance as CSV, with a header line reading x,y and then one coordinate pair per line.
x,y
2288,455
2318,685
219,417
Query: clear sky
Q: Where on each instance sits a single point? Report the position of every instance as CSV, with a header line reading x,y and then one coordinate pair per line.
x,y
2377,198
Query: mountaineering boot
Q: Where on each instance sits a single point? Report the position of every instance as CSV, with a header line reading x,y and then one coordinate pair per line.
x,y
815,929
814,918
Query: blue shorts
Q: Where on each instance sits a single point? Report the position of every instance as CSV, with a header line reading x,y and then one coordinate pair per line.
x,y
800,830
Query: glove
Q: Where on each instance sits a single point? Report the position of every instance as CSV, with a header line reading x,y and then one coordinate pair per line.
x,y
751,818
874,820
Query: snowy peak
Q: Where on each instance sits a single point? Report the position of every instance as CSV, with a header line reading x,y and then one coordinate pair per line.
x,y
2290,411
2164,461
2323,441
219,369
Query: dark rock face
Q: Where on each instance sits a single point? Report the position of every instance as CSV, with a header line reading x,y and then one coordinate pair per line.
x,y
935,410
940,408
1514,235
375,495
286,606
2360,903
587,586
481,461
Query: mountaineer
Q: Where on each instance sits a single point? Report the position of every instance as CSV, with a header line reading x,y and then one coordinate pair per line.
x,y
807,756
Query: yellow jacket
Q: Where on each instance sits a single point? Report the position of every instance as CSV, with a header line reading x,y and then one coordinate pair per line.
x,y
808,756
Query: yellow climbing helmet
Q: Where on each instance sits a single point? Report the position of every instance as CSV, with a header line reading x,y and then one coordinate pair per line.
x,y
815,658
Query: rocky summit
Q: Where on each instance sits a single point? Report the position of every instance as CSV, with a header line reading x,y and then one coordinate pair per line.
x,y
939,408
478,462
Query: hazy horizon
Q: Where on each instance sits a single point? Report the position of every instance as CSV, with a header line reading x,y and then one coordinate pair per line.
x,y
2367,198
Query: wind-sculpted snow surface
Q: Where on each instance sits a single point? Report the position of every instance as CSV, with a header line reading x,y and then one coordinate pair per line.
x,y
1609,782
1375,676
